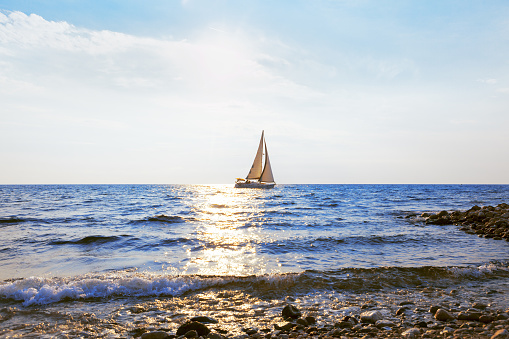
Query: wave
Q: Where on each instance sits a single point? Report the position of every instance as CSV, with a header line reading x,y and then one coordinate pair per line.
x,y
39,291
162,218
88,240
11,220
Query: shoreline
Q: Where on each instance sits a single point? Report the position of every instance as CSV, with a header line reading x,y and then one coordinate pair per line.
x,y
476,311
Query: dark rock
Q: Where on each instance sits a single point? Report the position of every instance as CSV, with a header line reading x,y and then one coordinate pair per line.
x,y
401,310
250,331
310,330
191,334
350,319
310,319
344,324
443,214
469,316
214,335
443,315
433,309
384,323
302,322
204,320
137,332
291,312
200,328
155,335
479,306
485,318
421,324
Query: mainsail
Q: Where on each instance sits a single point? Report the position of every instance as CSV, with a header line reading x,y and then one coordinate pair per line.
x,y
256,170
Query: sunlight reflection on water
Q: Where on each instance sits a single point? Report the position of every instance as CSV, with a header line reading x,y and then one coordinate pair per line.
x,y
227,244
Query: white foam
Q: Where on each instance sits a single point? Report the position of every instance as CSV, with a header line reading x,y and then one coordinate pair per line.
x,y
477,271
39,291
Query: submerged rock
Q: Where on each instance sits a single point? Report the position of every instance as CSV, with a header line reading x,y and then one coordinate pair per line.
x,y
200,329
291,312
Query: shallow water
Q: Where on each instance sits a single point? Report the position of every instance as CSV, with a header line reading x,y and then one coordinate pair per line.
x,y
78,248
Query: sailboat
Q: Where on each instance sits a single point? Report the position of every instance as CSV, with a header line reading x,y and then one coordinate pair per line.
x,y
260,175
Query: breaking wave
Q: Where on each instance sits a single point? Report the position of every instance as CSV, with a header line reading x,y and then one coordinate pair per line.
x,y
40,291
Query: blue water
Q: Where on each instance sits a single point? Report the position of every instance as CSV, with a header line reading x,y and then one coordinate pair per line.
x,y
66,230
125,257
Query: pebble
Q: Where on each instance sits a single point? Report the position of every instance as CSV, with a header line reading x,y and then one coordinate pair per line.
x,y
411,333
501,334
371,316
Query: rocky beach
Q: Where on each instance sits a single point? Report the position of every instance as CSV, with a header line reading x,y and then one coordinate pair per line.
x,y
415,316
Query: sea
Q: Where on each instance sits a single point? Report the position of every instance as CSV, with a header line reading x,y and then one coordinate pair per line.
x,y
118,260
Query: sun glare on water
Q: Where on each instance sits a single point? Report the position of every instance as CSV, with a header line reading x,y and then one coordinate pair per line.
x,y
228,233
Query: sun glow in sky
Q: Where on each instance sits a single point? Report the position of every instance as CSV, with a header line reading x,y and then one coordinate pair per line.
x,y
179,91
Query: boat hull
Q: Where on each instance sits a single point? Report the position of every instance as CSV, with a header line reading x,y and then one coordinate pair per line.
x,y
254,185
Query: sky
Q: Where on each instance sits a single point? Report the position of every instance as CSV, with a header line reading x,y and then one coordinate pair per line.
x,y
178,92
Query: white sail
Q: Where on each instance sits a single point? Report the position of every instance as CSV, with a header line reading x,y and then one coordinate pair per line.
x,y
267,171
256,169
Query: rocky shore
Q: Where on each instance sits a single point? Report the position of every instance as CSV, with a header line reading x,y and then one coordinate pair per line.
x,y
486,221
409,321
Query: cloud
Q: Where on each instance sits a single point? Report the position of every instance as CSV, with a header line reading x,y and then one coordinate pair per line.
x,y
488,81
212,64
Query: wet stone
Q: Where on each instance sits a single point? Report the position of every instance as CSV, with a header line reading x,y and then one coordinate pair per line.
x,y
291,312
191,334
469,316
433,309
402,310
443,315
371,316
310,320
155,335
485,318
200,328
204,320
302,322
411,333
501,334
384,323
